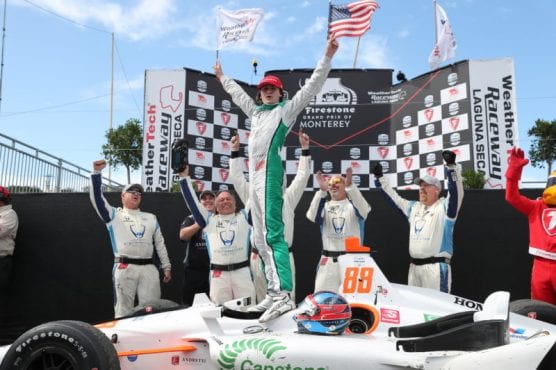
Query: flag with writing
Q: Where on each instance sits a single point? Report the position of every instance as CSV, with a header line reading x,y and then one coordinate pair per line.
x,y
351,20
236,25
445,40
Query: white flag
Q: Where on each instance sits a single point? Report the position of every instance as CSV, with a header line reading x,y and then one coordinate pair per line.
x,y
236,25
445,41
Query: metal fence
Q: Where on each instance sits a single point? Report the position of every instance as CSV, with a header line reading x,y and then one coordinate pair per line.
x,y
25,169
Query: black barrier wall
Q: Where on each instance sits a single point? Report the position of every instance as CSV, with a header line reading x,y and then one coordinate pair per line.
x,y
63,259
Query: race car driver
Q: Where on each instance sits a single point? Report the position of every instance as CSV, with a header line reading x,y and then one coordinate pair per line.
x,y
431,224
133,234
271,120
341,217
541,213
292,195
227,233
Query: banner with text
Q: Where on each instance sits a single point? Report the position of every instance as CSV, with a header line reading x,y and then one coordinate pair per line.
x,y
357,119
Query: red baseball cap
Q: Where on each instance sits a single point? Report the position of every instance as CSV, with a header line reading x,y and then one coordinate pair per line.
x,y
270,80
4,195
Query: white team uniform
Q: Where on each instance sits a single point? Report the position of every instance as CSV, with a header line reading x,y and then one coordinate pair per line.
x,y
269,126
338,220
228,238
132,235
430,231
292,195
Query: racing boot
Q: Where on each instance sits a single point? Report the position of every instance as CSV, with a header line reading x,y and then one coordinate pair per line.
x,y
263,305
282,303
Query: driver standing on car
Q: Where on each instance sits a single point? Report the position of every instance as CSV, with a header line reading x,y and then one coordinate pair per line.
x,y
133,234
431,224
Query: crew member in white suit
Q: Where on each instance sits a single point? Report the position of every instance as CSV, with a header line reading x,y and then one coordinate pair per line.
x,y
227,233
341,217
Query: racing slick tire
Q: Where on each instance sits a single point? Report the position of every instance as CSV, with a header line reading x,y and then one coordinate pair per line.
x,y
535,309
71,345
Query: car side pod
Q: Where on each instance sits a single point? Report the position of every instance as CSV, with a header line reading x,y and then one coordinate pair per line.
x,y
464,331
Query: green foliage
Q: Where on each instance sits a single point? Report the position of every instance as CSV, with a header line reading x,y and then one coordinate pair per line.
x,y
125,146
543,144
473,179
175,188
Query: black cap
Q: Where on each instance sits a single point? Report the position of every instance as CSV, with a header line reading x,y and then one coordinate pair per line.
x,y
205,192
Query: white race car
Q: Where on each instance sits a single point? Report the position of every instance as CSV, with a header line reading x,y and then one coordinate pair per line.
x,y
392,326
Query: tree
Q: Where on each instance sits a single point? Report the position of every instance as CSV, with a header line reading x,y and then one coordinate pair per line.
x,y
543,146
473,179
124,146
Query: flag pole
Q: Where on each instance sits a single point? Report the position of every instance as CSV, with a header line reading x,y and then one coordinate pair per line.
x,y
435,24
356,52
329,18
217,31
2,57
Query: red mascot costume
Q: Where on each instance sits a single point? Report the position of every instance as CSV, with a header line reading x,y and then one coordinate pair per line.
x,y
541,213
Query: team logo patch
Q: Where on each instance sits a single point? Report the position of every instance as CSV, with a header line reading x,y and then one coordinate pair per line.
x,y
549,221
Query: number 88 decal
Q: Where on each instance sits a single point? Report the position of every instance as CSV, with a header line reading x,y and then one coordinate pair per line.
x,y
358,280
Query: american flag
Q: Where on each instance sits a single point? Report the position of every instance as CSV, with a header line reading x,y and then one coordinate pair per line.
x,y
351,20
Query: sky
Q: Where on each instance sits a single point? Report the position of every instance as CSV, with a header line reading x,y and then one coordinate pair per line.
x,y
57,72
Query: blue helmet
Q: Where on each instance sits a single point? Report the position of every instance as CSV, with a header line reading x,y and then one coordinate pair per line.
x,y
323,312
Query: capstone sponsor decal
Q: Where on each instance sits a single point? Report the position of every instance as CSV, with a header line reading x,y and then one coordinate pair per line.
x,y
238,351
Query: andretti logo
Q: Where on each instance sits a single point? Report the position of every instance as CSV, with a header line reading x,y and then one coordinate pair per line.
x,y
266,346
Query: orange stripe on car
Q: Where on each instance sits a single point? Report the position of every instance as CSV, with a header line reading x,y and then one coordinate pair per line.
x,y
150,351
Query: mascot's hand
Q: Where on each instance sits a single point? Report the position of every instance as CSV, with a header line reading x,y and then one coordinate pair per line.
x,y
515,165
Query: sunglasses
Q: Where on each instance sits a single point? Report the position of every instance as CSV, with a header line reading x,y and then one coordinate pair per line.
x,y
134,192
335,181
